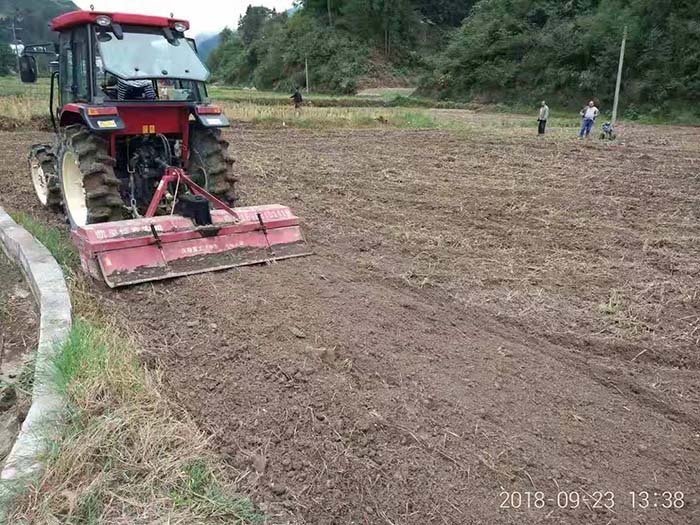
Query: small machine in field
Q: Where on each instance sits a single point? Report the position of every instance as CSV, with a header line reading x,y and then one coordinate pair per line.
x,y
138,164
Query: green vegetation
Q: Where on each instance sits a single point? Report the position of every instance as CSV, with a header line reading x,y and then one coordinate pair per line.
x,y
344,42
7,59
269,51
126,454
56,241
198,489
567,52
11,86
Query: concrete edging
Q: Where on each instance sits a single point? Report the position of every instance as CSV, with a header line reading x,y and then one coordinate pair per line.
x,y
48,285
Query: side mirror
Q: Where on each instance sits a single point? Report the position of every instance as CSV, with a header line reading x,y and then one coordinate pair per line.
x,y
27,68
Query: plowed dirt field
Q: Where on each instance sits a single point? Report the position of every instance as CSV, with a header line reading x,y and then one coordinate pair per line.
x,y
487,316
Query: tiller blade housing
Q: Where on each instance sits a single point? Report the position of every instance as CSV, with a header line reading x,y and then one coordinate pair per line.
x,y
159,247
148,249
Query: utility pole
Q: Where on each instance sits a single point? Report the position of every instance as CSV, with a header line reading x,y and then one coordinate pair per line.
x,y
306,68
619,77
15,19
330,17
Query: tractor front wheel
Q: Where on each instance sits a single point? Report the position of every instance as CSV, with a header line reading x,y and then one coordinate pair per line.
x,y
209,163
86,174
42,166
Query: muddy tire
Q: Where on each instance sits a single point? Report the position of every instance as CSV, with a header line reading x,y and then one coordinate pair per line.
x,y
209,163
42,167
86,177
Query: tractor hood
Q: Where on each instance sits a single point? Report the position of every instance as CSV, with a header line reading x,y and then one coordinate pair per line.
x,y
146,53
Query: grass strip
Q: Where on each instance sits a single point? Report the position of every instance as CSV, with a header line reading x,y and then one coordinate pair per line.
x,y
55,240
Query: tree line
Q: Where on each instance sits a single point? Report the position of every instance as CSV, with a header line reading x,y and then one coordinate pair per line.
x,y
343,41
517,50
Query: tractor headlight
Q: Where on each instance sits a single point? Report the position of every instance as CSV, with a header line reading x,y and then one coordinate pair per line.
x,y
103,20
179,27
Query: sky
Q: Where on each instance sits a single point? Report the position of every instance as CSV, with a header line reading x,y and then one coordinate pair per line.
x,y
205,16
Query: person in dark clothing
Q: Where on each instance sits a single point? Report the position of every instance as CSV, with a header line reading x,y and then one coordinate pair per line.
x,y
542,118
297,98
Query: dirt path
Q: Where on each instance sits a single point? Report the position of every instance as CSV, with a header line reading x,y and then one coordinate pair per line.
x,y
484,314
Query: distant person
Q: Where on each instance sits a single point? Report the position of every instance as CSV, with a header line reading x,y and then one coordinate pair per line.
x,y
297,98
542,118
589,113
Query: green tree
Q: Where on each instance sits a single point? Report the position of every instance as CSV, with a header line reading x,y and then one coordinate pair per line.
x,y
251,25
228,61
268,50
336,58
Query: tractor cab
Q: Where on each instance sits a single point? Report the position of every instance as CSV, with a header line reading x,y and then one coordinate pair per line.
x,y
98,50
147,63
116,58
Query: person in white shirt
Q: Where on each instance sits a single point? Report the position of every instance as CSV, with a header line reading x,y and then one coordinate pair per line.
x,y
542,118
589,114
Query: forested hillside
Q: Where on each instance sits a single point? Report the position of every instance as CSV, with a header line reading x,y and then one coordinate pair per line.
x,y
346,43
515,50
485,50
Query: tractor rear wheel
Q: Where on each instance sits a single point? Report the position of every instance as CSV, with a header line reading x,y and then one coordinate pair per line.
x,y
86,173
42,166
209,163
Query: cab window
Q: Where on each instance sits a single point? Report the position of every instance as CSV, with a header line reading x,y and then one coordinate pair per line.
x,y
74,71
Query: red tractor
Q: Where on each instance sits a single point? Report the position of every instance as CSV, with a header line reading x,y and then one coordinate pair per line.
x,y
138,160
